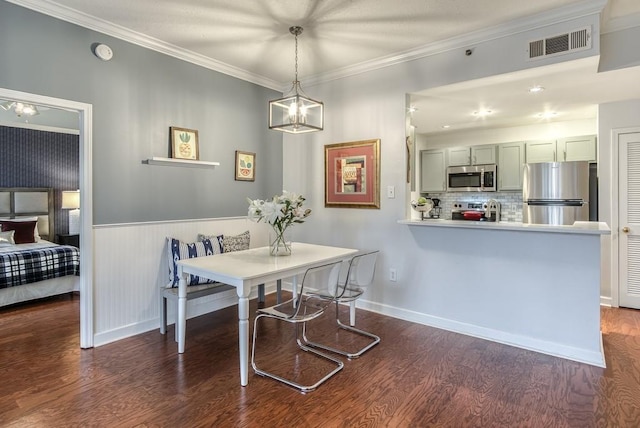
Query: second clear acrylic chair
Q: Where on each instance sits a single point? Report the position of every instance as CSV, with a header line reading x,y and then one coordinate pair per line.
x,y
302,308
359,275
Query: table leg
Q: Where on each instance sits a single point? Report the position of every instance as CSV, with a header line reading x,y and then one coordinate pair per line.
x,y
261,293
181,322
279,291
243,338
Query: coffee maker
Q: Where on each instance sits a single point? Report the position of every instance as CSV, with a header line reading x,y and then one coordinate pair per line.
x,y
436,211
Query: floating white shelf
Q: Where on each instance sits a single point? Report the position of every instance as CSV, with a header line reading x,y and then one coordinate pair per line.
x,y
180,162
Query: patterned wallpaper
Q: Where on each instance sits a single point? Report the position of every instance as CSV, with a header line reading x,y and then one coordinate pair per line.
x,y
30,158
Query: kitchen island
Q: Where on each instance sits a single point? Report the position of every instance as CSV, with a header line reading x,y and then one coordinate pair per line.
x,y
532,286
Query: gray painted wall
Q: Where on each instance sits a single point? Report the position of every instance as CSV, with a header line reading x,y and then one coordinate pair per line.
x,y
136,97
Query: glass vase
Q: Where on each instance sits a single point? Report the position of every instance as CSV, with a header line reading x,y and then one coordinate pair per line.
x,y
279,242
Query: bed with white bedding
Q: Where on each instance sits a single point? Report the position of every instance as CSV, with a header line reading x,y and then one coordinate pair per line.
x,y
33,270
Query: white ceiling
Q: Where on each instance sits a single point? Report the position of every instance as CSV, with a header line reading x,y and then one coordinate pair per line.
x,y
252,36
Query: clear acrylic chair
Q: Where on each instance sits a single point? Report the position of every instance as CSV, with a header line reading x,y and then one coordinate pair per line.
x,y
299,310
360,274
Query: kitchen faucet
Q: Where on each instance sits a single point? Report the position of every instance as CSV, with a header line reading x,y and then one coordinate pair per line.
x,y
492,205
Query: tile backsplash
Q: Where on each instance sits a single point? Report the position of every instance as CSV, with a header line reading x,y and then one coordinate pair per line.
x,y
510,202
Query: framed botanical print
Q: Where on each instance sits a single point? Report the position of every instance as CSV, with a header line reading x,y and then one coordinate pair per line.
x,y
184,143
352,174
245,166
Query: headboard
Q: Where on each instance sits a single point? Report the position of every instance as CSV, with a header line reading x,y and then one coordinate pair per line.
x,y
29,202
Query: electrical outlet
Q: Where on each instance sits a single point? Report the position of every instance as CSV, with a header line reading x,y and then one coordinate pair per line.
x,y
391,192
513,208
393,275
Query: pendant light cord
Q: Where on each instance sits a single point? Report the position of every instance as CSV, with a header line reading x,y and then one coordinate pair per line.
x,y
296,81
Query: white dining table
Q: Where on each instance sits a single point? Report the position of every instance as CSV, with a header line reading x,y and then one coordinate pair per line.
x,y
245,270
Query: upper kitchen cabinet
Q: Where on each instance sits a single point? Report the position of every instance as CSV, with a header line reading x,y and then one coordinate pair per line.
x,y
540,151
432,171
562,150
474,155
459,156
483,155
577,148
510,163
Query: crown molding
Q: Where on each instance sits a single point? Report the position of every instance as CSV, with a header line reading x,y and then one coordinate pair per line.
x,y
73,16
621,23
571,11
36,127
554,16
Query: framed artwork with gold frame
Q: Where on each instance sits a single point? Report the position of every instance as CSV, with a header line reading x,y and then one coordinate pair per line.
x,y
352,174
245,166
184,143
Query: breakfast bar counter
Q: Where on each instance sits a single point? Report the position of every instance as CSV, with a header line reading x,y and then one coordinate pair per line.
x,y
532,286
579,227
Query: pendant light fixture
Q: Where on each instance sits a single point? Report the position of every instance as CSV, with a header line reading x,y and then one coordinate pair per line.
x,y
296,113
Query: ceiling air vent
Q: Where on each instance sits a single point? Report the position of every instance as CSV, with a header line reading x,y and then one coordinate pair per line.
x,y
560,44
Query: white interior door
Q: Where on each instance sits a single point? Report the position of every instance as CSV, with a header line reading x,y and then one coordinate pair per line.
x,y
629,220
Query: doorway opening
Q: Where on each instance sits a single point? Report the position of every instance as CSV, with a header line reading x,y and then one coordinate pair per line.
x,y
86,198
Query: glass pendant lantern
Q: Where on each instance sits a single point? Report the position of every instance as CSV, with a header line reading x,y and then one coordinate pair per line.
x,y
296,113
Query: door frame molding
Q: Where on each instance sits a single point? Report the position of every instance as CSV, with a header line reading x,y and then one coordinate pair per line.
x,y
615,198
85,113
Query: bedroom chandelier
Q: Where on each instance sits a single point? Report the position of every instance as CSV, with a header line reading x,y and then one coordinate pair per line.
x,y
20,108
295,113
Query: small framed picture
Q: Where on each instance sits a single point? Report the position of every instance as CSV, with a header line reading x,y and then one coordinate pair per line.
x,y
184,143
245,166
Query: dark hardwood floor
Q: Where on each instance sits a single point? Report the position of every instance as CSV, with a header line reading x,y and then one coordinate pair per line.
x,y
417,377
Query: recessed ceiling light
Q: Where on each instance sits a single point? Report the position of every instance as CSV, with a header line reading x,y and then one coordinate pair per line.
x,y
412,109
482,113
547,114
535,89
446,126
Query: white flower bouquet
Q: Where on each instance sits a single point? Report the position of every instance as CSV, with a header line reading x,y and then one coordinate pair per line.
x,y
280,212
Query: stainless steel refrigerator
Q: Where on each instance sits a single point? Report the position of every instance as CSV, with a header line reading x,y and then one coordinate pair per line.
x,y
555,193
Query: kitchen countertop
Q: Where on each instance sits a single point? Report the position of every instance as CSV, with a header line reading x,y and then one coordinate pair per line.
x,y
579,227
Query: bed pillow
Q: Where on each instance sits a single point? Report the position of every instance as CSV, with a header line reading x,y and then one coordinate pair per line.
x,y
231,242
36,234
6,238
23,230
178,250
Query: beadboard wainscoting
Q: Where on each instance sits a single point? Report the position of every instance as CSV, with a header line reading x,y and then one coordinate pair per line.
x,y
131,265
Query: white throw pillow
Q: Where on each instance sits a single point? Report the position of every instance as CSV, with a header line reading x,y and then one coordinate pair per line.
x,y
6,238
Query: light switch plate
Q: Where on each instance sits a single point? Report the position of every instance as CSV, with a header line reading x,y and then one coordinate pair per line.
x,y
391,192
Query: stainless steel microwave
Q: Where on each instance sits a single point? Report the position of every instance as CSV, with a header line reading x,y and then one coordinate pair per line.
x,y
476,178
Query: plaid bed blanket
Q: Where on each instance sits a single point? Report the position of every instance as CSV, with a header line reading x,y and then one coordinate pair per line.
x,y
27,266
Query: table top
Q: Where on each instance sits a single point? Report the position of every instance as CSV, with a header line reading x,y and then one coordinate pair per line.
x,y
257,264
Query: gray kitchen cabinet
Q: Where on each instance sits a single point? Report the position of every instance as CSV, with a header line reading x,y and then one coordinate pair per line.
x,y
459,156
483,155
432,171
540,151
577,148
581,148
474,155
510,163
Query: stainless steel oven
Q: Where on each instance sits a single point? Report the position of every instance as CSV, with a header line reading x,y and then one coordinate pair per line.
x,y
476,178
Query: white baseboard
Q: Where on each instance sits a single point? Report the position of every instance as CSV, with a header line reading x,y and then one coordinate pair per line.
x,y
195,308
605,301
550,348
